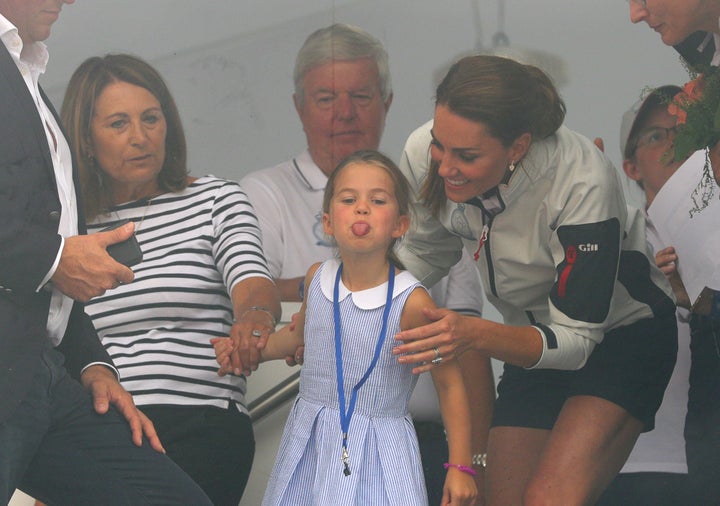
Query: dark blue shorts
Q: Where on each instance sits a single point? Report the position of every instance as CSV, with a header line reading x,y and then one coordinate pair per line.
x,y
631,368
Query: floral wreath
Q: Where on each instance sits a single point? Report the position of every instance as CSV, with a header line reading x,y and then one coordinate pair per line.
x,y
697,109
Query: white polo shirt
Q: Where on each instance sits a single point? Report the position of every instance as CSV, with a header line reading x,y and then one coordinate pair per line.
x,y
288,203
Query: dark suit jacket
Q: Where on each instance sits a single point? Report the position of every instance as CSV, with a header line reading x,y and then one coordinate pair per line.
x,y
29,243
688,49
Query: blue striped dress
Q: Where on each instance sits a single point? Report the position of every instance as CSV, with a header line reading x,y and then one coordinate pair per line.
x,y
384,457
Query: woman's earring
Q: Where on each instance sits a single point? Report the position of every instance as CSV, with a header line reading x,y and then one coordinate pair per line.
x,y
511,166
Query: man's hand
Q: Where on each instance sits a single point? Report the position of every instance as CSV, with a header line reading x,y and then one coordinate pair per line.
x,y
106,390
86,270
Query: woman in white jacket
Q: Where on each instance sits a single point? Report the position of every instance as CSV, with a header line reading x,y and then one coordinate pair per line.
x,y
589,336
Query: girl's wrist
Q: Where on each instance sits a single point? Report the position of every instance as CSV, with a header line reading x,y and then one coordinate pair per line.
x,y
465,469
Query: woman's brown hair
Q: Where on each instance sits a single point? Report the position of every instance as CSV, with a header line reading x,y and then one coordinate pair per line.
x,y
507,97
85,86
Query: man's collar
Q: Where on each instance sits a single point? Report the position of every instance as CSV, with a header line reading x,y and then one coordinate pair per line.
x,y
309,172
35,54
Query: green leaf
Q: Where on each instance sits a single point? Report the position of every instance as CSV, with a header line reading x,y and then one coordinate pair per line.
x,y
684,145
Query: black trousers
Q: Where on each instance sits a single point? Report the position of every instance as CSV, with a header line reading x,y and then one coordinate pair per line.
x,y
214,446
702,423
56,448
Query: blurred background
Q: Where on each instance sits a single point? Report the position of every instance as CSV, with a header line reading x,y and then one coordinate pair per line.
x,y
229,65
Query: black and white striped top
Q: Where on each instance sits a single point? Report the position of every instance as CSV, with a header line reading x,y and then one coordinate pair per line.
x,y
197,244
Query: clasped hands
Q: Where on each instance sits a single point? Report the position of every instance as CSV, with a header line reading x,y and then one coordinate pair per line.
x,y
240,352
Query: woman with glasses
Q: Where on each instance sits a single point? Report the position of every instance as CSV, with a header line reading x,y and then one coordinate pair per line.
x,y
589,335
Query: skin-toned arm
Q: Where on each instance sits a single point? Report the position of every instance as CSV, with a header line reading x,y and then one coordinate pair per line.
x,y
480,387
289,289
86,270
106,391
453,334
257,292
459,486
286,340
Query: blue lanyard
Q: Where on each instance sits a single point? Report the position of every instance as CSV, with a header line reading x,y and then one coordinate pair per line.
x,y
345,416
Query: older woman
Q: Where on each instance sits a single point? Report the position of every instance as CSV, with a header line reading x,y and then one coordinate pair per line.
x,y
203,273
589,335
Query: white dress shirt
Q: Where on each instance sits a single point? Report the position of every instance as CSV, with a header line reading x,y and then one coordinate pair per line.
x,y
31,61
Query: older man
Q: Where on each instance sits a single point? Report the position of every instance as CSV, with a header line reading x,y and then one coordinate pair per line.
x,y
342,95
689,25
693,28
67,427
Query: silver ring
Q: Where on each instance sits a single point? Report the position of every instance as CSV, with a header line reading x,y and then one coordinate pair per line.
x,y
257,333
437,353
436,361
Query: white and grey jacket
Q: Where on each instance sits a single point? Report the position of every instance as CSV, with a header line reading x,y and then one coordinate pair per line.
x,y
557,247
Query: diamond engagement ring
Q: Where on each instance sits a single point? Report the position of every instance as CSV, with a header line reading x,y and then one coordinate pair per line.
x,y
437,358
257,333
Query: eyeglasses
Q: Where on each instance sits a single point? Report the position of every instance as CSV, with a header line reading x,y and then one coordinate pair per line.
x,y
654,136
641,3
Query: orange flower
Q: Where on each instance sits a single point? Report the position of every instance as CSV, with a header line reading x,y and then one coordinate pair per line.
x,y
694,88
692,92
677,107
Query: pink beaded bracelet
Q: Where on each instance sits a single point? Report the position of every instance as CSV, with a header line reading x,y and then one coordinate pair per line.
x,y
460,467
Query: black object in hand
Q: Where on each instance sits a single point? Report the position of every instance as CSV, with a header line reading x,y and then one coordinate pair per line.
x,y
127,252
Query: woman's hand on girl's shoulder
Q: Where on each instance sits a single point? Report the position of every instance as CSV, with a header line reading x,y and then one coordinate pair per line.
x,y
444,336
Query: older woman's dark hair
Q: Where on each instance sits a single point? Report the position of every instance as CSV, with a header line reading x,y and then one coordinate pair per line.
x,y
84,88
507,97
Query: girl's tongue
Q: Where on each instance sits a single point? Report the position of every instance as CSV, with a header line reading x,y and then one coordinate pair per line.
x,y
360,229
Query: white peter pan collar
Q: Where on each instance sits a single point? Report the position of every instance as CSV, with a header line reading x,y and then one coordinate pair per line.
x,y
371,298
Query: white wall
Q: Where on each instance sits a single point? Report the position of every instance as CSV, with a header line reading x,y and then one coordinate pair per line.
x,y
229,64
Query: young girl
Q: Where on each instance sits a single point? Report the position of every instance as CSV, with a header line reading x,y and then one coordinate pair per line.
x,y
349,438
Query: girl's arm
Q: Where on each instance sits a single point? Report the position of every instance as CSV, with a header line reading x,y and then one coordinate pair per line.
x,y
460,486
480,387
285,341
